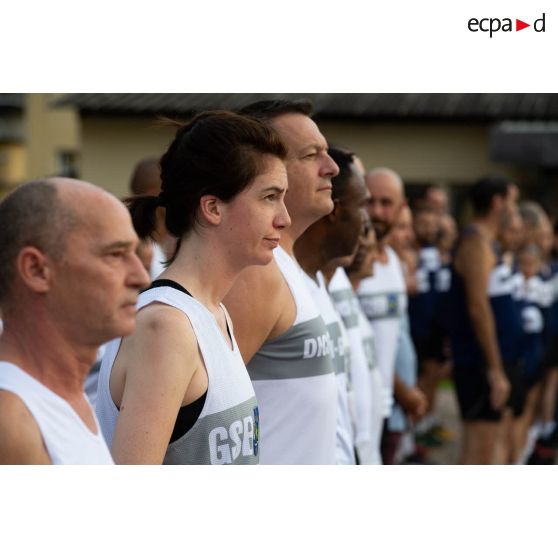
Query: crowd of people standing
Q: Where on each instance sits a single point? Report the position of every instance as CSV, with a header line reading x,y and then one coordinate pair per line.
x,y
299,309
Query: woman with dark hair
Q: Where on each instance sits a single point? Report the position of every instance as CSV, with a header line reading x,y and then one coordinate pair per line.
x,y
176,391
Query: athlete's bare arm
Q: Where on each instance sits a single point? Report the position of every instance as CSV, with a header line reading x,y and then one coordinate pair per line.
x,y
474,261
261,307
21,442
163,371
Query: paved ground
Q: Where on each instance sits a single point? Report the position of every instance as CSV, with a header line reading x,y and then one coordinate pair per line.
x,y
446,407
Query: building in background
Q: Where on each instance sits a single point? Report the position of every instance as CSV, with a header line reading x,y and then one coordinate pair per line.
x,y
444,139
37,138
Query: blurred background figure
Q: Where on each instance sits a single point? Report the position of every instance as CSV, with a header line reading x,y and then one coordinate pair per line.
x,y
531,299
437,198
484,326
410,402
146,181
423,306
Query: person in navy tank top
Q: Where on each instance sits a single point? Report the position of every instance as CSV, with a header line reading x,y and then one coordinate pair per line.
x,y
483,325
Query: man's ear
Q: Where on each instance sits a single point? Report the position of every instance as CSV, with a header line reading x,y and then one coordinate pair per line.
x,y
211,209
334,215
33,266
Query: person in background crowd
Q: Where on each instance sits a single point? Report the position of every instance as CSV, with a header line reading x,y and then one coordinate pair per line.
x,y
546,432
531,299
146,181
425,331
411,402
69,281
383,296
543,437
447,235
177,390
437,198
511,237
484,326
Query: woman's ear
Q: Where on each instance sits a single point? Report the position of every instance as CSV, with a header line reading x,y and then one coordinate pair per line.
x,y
211,209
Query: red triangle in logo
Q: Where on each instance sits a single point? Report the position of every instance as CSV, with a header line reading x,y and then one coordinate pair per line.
x,y
519,25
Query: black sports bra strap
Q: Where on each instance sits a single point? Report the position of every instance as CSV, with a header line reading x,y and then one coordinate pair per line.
x,y
167,283
179,287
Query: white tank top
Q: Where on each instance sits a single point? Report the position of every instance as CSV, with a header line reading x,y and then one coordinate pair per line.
x,y
339,351
294,382
382,402
363,400
383,298
226,431
67,439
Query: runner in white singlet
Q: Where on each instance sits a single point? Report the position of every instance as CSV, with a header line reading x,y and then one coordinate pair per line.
x,y
177,390
278,327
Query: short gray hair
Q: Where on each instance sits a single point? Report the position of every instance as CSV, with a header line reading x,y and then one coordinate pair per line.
x,y
32,215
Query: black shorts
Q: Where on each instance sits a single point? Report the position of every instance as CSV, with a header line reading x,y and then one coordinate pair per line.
x,y
473,392
433,346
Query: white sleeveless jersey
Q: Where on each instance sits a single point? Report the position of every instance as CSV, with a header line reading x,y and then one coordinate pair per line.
x,y
383,298
381,404
339,351
226,431
67,439
294,382
366,383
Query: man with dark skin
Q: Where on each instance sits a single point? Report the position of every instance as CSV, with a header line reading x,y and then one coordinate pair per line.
x,y
319,251
477,325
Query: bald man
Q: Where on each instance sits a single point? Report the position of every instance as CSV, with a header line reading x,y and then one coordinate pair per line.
x,y
438,199
69,280
383,296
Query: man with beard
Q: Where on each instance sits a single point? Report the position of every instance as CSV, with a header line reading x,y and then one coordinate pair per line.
x,y
383,296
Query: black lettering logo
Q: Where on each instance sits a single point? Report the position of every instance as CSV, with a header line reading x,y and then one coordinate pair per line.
x,y
492,25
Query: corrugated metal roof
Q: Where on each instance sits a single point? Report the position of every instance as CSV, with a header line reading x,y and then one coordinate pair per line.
x,y
444,106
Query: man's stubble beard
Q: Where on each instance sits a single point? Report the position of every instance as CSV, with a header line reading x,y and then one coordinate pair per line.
x,y
383,232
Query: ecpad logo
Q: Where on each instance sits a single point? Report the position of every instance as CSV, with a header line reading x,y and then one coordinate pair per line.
x,y
493,25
